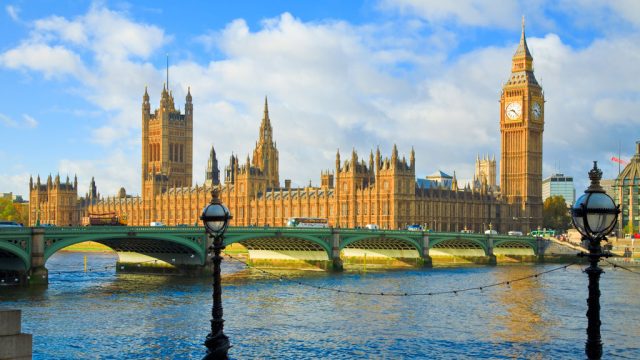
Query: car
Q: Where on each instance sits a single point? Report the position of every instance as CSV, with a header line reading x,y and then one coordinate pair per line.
x,y
9,224
156,223
47,225
371,227
414,227
514,233
490,232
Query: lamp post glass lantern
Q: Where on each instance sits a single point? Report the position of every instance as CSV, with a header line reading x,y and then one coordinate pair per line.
x,y
594,215
216,218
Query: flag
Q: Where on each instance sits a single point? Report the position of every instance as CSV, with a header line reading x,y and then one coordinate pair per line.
x,y
619,161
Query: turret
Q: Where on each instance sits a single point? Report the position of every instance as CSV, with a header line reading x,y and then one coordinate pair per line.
x,y
371,161
146,106
394,154
30,182
354,159
412,159
164,98
378,158
93,192
454,182
338,161
212,174
75,182
188,106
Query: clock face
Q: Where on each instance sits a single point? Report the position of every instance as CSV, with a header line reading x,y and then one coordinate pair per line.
x,y
513,110
537,110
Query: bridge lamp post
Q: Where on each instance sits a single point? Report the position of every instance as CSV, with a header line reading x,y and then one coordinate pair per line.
x,y
594,215
216,218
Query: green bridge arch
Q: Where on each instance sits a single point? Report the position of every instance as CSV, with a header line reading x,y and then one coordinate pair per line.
x,y
17,242
240,238
54,243
441,239
22,254
349,240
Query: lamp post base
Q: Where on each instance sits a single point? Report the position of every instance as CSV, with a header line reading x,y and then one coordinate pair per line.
x,y
217,346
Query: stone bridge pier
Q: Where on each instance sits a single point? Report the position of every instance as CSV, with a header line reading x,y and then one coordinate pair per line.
x,y
38,273
492,257
426,258
336,261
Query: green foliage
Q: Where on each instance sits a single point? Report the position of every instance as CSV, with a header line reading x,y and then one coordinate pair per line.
x,y
628,229
12,212
555,214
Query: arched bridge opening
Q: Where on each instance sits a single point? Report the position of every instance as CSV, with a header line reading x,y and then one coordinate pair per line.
x,y
514,251
375,250
458,250
135,253
12,267
284,250
15,255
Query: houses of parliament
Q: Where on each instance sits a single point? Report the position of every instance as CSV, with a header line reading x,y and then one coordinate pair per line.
x,y
377,189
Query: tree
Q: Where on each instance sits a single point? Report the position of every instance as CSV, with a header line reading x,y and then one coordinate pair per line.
x,y
628,229
555,214
11,211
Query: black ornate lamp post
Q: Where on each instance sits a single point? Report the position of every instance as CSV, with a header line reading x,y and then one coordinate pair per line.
x,y
594,215
216,218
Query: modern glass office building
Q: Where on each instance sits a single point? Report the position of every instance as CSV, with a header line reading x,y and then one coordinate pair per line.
x,y
628,195
558,184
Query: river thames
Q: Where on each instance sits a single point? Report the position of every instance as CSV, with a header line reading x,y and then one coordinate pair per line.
x,y
101,314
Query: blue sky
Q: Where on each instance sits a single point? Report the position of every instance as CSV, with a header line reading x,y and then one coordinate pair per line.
x,y
339,75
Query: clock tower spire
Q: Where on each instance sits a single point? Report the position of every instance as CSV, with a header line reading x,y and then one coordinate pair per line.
x,y
521,127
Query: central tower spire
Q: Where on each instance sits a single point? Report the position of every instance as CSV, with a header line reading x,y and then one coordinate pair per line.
x,y
266,134
265,155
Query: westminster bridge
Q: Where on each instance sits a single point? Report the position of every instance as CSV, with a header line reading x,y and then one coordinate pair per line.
x,y
25,251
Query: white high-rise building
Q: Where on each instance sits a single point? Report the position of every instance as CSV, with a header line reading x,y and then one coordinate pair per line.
x,y
558,184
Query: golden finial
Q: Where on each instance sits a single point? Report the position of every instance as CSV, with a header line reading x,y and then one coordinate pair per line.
x,y
215,199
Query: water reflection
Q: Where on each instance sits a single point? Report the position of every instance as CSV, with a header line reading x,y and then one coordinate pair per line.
x,y
520,318
108,315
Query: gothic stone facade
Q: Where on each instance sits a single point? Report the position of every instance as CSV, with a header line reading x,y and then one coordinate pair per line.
x,y
355,193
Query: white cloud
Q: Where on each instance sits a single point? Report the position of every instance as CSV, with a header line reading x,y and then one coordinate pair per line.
x,y
17,182
111,172
29,121
13,11
466,12
52,61
335,85
59,27
7,121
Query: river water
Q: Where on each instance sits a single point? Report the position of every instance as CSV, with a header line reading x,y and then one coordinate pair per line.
x,y
103,315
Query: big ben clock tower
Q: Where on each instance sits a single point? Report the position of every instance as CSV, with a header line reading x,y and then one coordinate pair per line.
x,y
521,127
